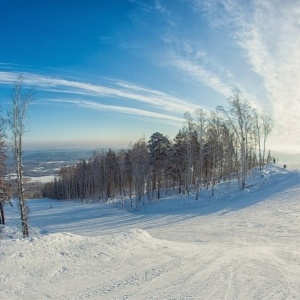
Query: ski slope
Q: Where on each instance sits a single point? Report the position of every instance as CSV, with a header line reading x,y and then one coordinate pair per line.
x,y
245,245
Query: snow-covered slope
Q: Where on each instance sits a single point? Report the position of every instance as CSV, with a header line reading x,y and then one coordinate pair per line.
x,y
242,246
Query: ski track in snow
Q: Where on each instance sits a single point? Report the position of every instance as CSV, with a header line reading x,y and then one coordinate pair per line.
x,y
246,246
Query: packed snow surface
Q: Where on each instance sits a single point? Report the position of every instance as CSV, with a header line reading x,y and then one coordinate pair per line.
x,y
242,246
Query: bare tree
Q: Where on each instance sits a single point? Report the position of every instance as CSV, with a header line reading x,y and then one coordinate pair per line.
x,y
239,118
267,126
257,130
140,162
201,130
16,123
4,195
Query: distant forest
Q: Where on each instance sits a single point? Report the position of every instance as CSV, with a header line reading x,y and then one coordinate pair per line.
x,y
211,147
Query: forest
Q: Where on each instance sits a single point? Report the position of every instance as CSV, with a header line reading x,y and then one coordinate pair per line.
x,y
212,146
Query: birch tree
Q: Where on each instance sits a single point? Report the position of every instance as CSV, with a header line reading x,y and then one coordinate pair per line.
x,y
201,130
179,159
140,162
3,186
257,130
267,126
239,118
20,100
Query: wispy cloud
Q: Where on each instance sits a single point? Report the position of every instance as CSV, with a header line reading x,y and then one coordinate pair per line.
x,y
120,89
271,42
157,102
8,77
268,33
160,7
200,73
173,120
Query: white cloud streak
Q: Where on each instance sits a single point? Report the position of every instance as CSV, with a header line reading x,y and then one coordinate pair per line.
x,y
121,90
191,59
268,33
272,42
202,74
173,120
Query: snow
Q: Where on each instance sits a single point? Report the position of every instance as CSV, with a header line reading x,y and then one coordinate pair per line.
x,y
42,179
242,246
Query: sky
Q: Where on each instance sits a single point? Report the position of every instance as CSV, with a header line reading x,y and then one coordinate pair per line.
x,y
107,73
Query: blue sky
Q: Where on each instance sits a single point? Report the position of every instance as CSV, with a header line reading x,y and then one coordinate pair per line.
x,y
107,73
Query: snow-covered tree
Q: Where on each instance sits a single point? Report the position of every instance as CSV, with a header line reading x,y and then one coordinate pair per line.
x,y
20,100
239,117
4,191
158,147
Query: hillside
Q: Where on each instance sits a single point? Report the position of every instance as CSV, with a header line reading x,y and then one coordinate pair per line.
x,y
41,166
239,246
48,161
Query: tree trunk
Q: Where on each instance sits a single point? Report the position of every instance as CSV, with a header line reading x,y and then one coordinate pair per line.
x,y
2,219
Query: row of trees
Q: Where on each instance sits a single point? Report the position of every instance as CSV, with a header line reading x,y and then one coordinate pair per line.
x,y
212,146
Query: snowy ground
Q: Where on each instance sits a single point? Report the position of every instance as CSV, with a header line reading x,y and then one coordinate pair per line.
x,y
42,179
246,246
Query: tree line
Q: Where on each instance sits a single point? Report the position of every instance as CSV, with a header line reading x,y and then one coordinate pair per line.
x,y
220,145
